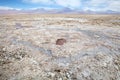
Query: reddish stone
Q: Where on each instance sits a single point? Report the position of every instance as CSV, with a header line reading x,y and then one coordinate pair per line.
x,y
60,41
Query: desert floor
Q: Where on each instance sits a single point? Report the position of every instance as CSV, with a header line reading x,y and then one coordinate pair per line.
x,y
28,49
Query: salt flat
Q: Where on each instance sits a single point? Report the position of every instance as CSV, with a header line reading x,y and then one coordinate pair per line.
x,y
28,49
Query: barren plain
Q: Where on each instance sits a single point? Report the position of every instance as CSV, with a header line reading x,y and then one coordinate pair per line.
x,y
28,49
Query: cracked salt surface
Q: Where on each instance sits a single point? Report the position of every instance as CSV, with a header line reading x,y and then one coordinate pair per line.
x,y
90,34
31,46
91,52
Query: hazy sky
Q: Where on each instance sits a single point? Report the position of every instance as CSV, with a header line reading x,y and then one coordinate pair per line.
x,y
95,5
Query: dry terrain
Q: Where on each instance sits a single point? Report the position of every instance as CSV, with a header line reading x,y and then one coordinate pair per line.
x,y
30,47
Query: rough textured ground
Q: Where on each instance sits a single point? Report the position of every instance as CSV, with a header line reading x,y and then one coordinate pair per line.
x,y
28,49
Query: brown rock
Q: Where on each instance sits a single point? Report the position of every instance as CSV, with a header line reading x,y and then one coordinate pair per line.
x,y
60,41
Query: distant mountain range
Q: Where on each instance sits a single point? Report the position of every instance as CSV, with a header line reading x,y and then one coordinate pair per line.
x,y
55,11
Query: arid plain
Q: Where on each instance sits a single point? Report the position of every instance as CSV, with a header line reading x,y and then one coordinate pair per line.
x,y
28,48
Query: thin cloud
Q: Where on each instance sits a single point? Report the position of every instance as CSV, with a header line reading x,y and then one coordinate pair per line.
x,y
95,5
39,1
8,8
69,3
63,3
103,5
5,8
114,5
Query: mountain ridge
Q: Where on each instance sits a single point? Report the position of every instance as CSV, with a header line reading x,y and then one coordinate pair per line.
x,y
55,11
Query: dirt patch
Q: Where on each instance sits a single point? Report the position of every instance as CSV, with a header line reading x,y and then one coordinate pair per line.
x,y
60,41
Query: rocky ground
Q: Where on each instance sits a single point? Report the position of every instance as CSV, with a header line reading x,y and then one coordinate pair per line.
x,y
29,51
